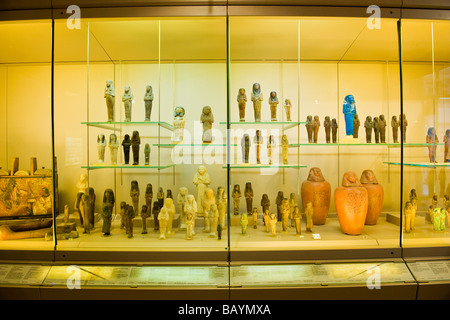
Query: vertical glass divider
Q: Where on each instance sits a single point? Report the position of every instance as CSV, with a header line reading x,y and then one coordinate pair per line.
x,y
434,105
227,26
52,119
298,107
159,102
87,100
399,34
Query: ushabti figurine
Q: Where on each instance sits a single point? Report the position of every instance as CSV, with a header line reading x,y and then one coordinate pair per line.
x,y
207,119
258,141
266,220
248,192
284,148
178,124
265,202
405,126
236,194
433,140
271,145
309,213
257,98
163,218
315,126
395,125
201,181
134,194
278,201
334,129
181,201
108,205
383,125
298,219
447,146
242,100
273,102
147,154
285,211
292,205
148,101
273,224
255,218
101,145
369,126
349,111
309,128
244,223
221,200
113,147
149,196
130,215
169,206
127,100
288,108
376,129
145,213
126,144
245,144
155,212
110,97
207,201
135,145
327,126
191,212
213,220
356,124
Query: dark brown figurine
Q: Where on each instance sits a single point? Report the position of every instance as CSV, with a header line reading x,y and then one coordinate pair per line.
x,y
334,129
108,205
145,213
126,144
123,220
155,212
258,141
356,124
405,125
316,125
245,144
91,211
134,194
265,202
383,125
130,215
309,128
327,126
368,124
279,201
149,197
249,197
395,125
236,194
135,145
376,129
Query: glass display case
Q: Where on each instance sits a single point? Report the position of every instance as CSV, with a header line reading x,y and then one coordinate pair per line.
x,y
223,140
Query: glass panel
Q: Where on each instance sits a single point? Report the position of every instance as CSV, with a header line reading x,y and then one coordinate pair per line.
x,y
26,183
426,91
316,63
155,66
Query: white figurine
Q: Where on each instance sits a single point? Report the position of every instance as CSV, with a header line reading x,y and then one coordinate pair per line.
x,y
191,211
178,123
113,147
181,201
207,200
201,181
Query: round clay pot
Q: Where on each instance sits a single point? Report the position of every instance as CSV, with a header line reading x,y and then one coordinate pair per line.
x,y
351,200
375,193
317,191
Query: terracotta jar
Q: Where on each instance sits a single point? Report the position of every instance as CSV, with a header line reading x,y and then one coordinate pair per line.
x,y
351,202
317,191
375,196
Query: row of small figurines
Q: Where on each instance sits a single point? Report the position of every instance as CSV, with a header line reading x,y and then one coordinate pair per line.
x,y
432,138
128,143
439,216
378,124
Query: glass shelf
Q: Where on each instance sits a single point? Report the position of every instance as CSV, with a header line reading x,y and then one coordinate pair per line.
x,y
173,145
286,124
265,166
365,144
126,166
422,165
110,125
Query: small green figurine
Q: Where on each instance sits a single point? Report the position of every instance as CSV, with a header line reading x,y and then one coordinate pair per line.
x,y
438,219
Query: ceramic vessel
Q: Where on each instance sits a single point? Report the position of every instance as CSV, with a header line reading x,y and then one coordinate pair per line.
x,y
351,202
317,191
375,193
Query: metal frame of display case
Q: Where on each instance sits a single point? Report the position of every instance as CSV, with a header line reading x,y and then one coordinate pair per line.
x,y
394,9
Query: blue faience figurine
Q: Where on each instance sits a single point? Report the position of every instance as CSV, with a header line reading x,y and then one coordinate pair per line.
x,y
349,111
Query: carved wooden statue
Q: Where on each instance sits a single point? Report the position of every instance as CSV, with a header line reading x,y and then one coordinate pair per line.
x,y
130,215
245,144
315,126
248,192
135,145
265,202
145,213
126,144
309,128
